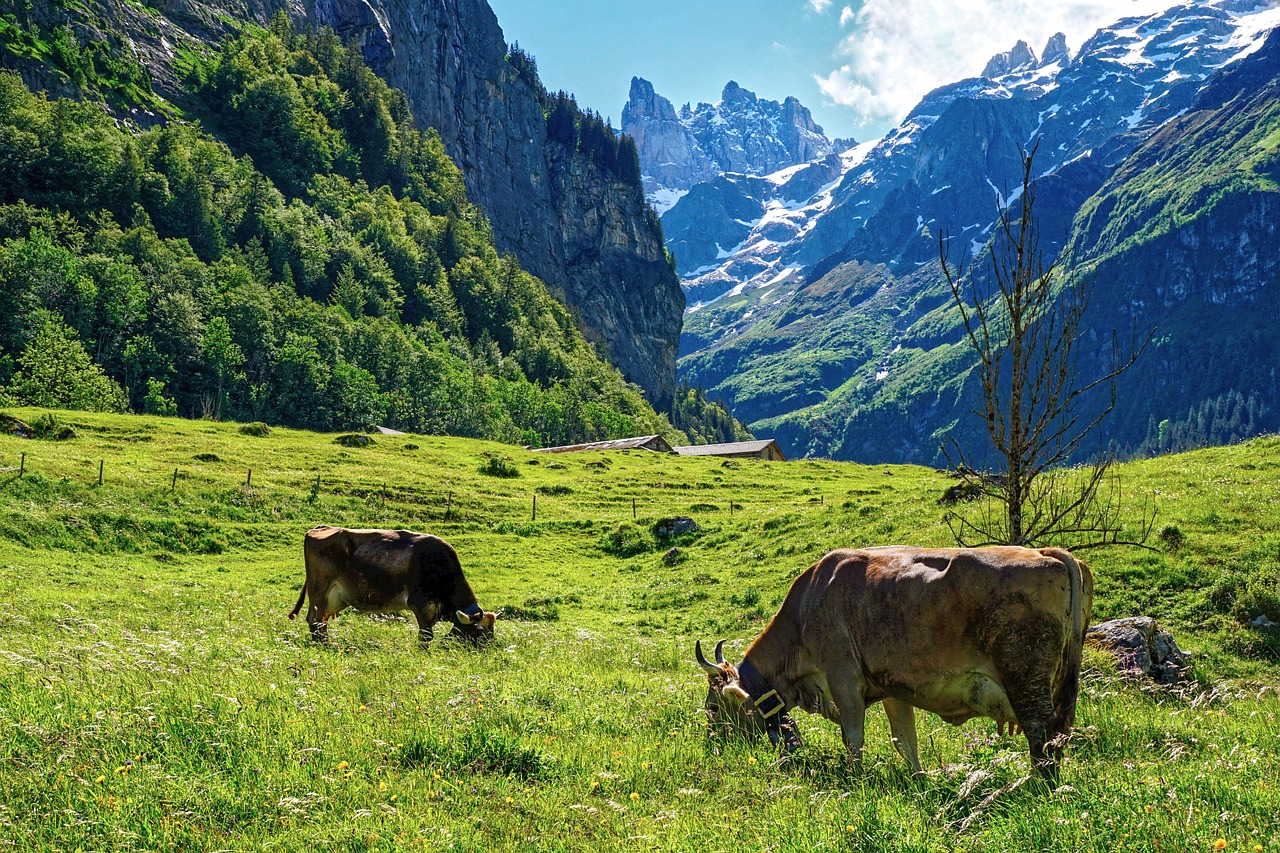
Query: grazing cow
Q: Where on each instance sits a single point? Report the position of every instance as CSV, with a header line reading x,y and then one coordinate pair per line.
x,y
384,571
985,632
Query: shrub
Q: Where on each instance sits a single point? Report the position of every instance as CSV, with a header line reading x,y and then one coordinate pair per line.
x,y
257,428
626,540
354,439
498,466
47,427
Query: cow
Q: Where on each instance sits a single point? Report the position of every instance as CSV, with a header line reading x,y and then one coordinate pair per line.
x,y
384,571
985,632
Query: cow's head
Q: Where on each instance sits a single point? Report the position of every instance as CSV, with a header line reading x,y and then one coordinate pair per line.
x,y
731,707
475,625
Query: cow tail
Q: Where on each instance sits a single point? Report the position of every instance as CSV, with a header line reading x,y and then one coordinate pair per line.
x,y
1064,701
302,596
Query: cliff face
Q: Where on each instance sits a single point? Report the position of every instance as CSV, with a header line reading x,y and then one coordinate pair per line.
x,y
586,235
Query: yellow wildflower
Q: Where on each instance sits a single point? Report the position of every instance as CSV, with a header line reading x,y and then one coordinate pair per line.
x,y
342,765
100,779
1220,844
635,795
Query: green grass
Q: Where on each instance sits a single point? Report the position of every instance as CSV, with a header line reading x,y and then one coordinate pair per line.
x,y
153,695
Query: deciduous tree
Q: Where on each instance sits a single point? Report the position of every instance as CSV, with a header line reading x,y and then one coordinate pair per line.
x,y
1024,321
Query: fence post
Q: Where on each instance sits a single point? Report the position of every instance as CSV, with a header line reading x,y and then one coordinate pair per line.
x,y
535,508
22,466
100,464
248,481
448,506
174,485
633,509
317,484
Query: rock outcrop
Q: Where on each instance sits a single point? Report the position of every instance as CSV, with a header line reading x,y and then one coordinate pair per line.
x,y
1141,647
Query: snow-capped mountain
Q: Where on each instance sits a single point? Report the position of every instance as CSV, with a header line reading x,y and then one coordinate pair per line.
x,y
741,134
946,169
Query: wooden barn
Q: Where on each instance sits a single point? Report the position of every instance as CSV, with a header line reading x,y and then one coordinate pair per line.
x,y
656,443
765,448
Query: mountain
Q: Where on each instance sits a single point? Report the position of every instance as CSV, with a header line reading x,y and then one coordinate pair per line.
x,y
742,134
579,228
834,367
257,229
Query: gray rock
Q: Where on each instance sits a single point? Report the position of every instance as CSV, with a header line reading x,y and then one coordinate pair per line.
x,y
671,557
669,528
1141,646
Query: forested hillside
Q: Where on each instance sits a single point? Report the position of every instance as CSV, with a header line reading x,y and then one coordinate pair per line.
x,y
291,250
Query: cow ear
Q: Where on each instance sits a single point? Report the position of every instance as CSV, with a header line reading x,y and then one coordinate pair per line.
x,y
735,694
463,619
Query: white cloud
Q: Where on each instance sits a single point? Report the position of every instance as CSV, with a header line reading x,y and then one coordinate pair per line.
x,y
846,16
820,6
898,50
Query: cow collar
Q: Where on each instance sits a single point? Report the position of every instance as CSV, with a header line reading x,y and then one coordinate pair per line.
x,y
475,611
772,707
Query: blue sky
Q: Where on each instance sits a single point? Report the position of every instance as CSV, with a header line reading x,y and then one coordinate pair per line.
x,y
859,65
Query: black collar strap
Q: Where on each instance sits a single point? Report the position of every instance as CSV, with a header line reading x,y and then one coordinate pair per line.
x,y
765,697
475,611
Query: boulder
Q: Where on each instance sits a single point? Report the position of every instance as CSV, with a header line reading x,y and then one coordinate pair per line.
x,y
1141,646
670,528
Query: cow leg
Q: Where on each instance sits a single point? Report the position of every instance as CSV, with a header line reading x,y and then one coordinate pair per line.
x,y
902,726
316,619
846,692
425,626
1033,707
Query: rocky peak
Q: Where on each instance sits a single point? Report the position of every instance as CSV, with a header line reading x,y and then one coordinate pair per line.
x,y
742,134
1020,58
644,104
1055,50
733,92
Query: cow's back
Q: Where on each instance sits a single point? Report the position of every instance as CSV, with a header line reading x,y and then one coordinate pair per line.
x,y
914,617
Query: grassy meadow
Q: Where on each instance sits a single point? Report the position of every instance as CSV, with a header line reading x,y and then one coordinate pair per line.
x,y
154,696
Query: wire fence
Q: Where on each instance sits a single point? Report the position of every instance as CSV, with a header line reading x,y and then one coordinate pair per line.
x,y
586,497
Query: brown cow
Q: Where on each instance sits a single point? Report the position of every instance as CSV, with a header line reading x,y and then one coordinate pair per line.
x,y
384,571
987,632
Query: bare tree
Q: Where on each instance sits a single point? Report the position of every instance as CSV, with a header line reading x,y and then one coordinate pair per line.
x,y
1024,323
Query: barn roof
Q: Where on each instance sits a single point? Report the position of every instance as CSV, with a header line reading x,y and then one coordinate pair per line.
x,y
642,442
731,448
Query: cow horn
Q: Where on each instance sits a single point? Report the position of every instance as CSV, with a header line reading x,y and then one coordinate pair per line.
x,y
720,652
702,660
